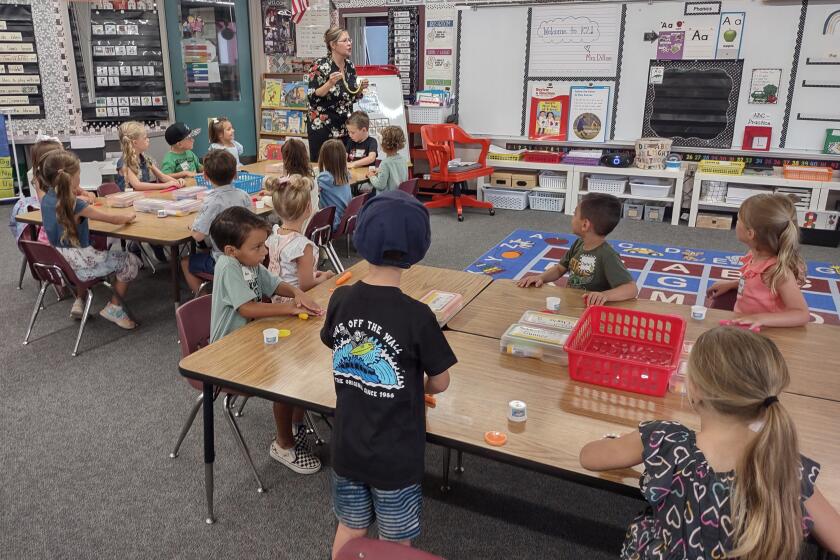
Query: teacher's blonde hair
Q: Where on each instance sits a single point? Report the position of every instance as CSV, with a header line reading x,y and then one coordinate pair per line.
x,y
332,35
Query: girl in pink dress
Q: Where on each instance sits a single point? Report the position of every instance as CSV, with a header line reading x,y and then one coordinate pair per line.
x,y
772,271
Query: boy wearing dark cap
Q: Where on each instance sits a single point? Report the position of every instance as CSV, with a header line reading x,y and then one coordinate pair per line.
x,y
180,162
383,343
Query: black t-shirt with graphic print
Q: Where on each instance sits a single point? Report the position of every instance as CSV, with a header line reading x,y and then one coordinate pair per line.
x,y
383,342
359,150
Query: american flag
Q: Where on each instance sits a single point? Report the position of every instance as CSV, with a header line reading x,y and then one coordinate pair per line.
x,y
299,8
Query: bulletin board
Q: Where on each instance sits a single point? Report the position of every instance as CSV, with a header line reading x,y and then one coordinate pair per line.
x,y
776,39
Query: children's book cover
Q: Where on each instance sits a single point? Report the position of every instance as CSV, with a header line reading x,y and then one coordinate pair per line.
x,y
549,118
270,149
294,94
272,93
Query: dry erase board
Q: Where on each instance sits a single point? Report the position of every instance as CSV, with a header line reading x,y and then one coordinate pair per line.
x,y
694,102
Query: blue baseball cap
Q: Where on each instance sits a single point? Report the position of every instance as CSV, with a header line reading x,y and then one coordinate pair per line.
x,y
393,221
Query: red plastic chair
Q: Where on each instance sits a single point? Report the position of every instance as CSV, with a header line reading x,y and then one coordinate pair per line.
x,y
725,302
107,188
193,321
50,268
409,186
439,141
319,231
347,225
371,549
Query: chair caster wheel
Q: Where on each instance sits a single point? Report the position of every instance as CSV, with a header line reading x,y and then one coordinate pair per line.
x,y
492,212
460,218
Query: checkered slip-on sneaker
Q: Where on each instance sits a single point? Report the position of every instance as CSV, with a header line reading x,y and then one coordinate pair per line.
x,y
298,458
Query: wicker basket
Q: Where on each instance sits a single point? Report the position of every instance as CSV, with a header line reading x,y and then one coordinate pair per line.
x,y
547,200
608,184
721,167
651,152
418,114
506,199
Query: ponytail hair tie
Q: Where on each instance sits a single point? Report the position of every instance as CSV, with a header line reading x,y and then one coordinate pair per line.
x,y
769,400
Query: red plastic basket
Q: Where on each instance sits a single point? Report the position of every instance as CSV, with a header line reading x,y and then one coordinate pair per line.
x,y
625,349
542,157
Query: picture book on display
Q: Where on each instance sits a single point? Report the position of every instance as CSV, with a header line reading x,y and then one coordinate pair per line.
x,y
549,118
270,149
294,95
283,121
272,93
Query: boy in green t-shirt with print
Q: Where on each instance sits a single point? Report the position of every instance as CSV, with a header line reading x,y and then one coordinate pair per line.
x,y
180,162
593,265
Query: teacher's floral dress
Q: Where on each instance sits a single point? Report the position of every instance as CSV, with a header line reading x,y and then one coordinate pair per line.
x,y
328,115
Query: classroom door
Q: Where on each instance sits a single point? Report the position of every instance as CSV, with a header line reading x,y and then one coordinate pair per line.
x,y
210,60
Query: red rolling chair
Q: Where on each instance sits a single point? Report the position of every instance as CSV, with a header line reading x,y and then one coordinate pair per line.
x,y
439,141
371,549
347,225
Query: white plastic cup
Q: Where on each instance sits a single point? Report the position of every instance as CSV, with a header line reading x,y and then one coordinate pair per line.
x,y
698,312
260,204
552,303
371,168
161,213
518,411
270,336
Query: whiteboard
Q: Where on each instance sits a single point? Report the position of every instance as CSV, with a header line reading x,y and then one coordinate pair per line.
x,y
383,101
492,70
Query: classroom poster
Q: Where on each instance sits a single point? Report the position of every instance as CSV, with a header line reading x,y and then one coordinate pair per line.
x,y
764,86
730,34
549,114
588,111
670,45
278,29
310,30
574,41
439,56
699,36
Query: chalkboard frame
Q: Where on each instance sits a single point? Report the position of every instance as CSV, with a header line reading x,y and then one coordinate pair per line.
x,y
732,68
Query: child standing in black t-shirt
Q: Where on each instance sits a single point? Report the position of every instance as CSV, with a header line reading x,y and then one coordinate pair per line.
x,y
383,343
361,147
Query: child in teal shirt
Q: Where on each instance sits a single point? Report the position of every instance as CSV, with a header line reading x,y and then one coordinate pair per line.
x,y
394,168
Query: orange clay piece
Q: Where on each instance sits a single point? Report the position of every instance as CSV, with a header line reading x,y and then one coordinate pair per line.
x,y
343,278
430,400
495,438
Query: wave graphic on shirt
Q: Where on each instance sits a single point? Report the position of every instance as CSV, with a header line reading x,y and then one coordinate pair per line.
x,y
363,358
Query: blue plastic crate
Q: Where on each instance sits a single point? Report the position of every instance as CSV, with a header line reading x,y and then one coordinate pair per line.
x,y
248,182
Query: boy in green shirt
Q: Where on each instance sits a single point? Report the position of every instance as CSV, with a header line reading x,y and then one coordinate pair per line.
x,y
180,162
593,265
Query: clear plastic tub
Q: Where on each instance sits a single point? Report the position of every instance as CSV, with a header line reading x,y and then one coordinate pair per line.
x,y
528,341
444,304
122,199
188,192
655,187
150,204
549,320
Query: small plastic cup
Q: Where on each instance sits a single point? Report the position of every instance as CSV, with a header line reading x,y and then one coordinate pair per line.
x,y
161,213
698,312
270,336
552,303
260,204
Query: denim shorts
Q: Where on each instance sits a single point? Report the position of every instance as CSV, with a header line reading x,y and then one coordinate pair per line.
x,y
202,262
397,512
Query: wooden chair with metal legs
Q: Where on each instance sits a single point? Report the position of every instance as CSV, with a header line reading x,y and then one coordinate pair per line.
x,y
50,268
193,322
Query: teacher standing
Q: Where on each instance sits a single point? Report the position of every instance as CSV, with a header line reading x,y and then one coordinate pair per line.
x,y
333,88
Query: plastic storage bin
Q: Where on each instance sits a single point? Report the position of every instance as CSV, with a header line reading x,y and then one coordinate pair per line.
x,y
248,182
150,204
549,320
609,184
807,173
721,167
418,114
551,201
188,192
554,181
625,349
654,212
650,187
122,199
526,341
506,199
444,304
713,191
542,157
633,210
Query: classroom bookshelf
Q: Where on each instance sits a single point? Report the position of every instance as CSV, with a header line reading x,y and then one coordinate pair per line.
x,y
283,108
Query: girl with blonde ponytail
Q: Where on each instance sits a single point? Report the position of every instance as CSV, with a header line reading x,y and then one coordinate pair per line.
x,y
738,488
65,219
773,270
135,169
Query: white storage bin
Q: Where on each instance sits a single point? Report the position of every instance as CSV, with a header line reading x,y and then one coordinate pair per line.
x,y
552,201
653,187
608,184
554,181
418,114
506,199
712,191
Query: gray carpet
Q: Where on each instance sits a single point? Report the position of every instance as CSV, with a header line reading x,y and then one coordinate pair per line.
x,y
85,472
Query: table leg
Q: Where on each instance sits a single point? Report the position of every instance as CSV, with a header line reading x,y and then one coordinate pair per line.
x,y
175,264
459,462
447,456
209,451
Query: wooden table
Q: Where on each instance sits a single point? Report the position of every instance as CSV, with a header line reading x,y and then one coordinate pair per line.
x,y
812,352
298,368
172,231
269,168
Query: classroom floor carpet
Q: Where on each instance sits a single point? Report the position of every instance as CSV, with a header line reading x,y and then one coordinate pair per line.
x,y
664,273
85,471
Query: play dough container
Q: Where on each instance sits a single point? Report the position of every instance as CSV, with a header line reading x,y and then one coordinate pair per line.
x,y
529,341
444,304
